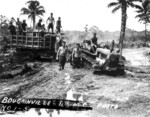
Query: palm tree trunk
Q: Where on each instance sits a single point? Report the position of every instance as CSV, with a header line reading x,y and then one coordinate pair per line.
x,y
123,27
145,32
34,23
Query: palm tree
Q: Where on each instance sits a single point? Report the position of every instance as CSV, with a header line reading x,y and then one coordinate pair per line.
x,y
34,9
123,5
144,14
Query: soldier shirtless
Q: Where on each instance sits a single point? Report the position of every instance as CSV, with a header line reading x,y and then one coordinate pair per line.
x,y
51,22
76,56
61,55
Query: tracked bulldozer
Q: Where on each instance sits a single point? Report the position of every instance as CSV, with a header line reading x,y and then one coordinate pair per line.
x,y
111,63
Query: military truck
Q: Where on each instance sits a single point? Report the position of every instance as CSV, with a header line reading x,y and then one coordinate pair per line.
x,y
34,44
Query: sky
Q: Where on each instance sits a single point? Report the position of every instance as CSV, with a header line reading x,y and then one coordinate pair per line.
x,y
75,14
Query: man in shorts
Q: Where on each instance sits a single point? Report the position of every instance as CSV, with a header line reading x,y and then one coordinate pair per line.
x,y
76,56
58,25
24,27
19,26
51,22
62,55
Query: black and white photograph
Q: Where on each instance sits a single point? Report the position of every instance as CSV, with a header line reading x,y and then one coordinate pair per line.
x,y
75,58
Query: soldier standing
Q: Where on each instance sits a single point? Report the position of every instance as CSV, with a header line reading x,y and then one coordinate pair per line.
x,y
19,26
12,29
51,22
58,25
62,55
76,56
24,27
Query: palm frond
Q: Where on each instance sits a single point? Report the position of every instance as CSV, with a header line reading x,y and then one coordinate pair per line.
x,y
112,4
135,1
139,15
139,7
143,18
134,5
116,8
25,11
139,11
41,12
30,17
145,3
33,2
40,7
33,5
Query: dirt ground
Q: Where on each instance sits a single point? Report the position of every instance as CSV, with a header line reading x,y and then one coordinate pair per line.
x,y
120,96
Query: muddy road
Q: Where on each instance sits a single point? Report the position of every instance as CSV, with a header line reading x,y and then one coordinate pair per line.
x,y
120,96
